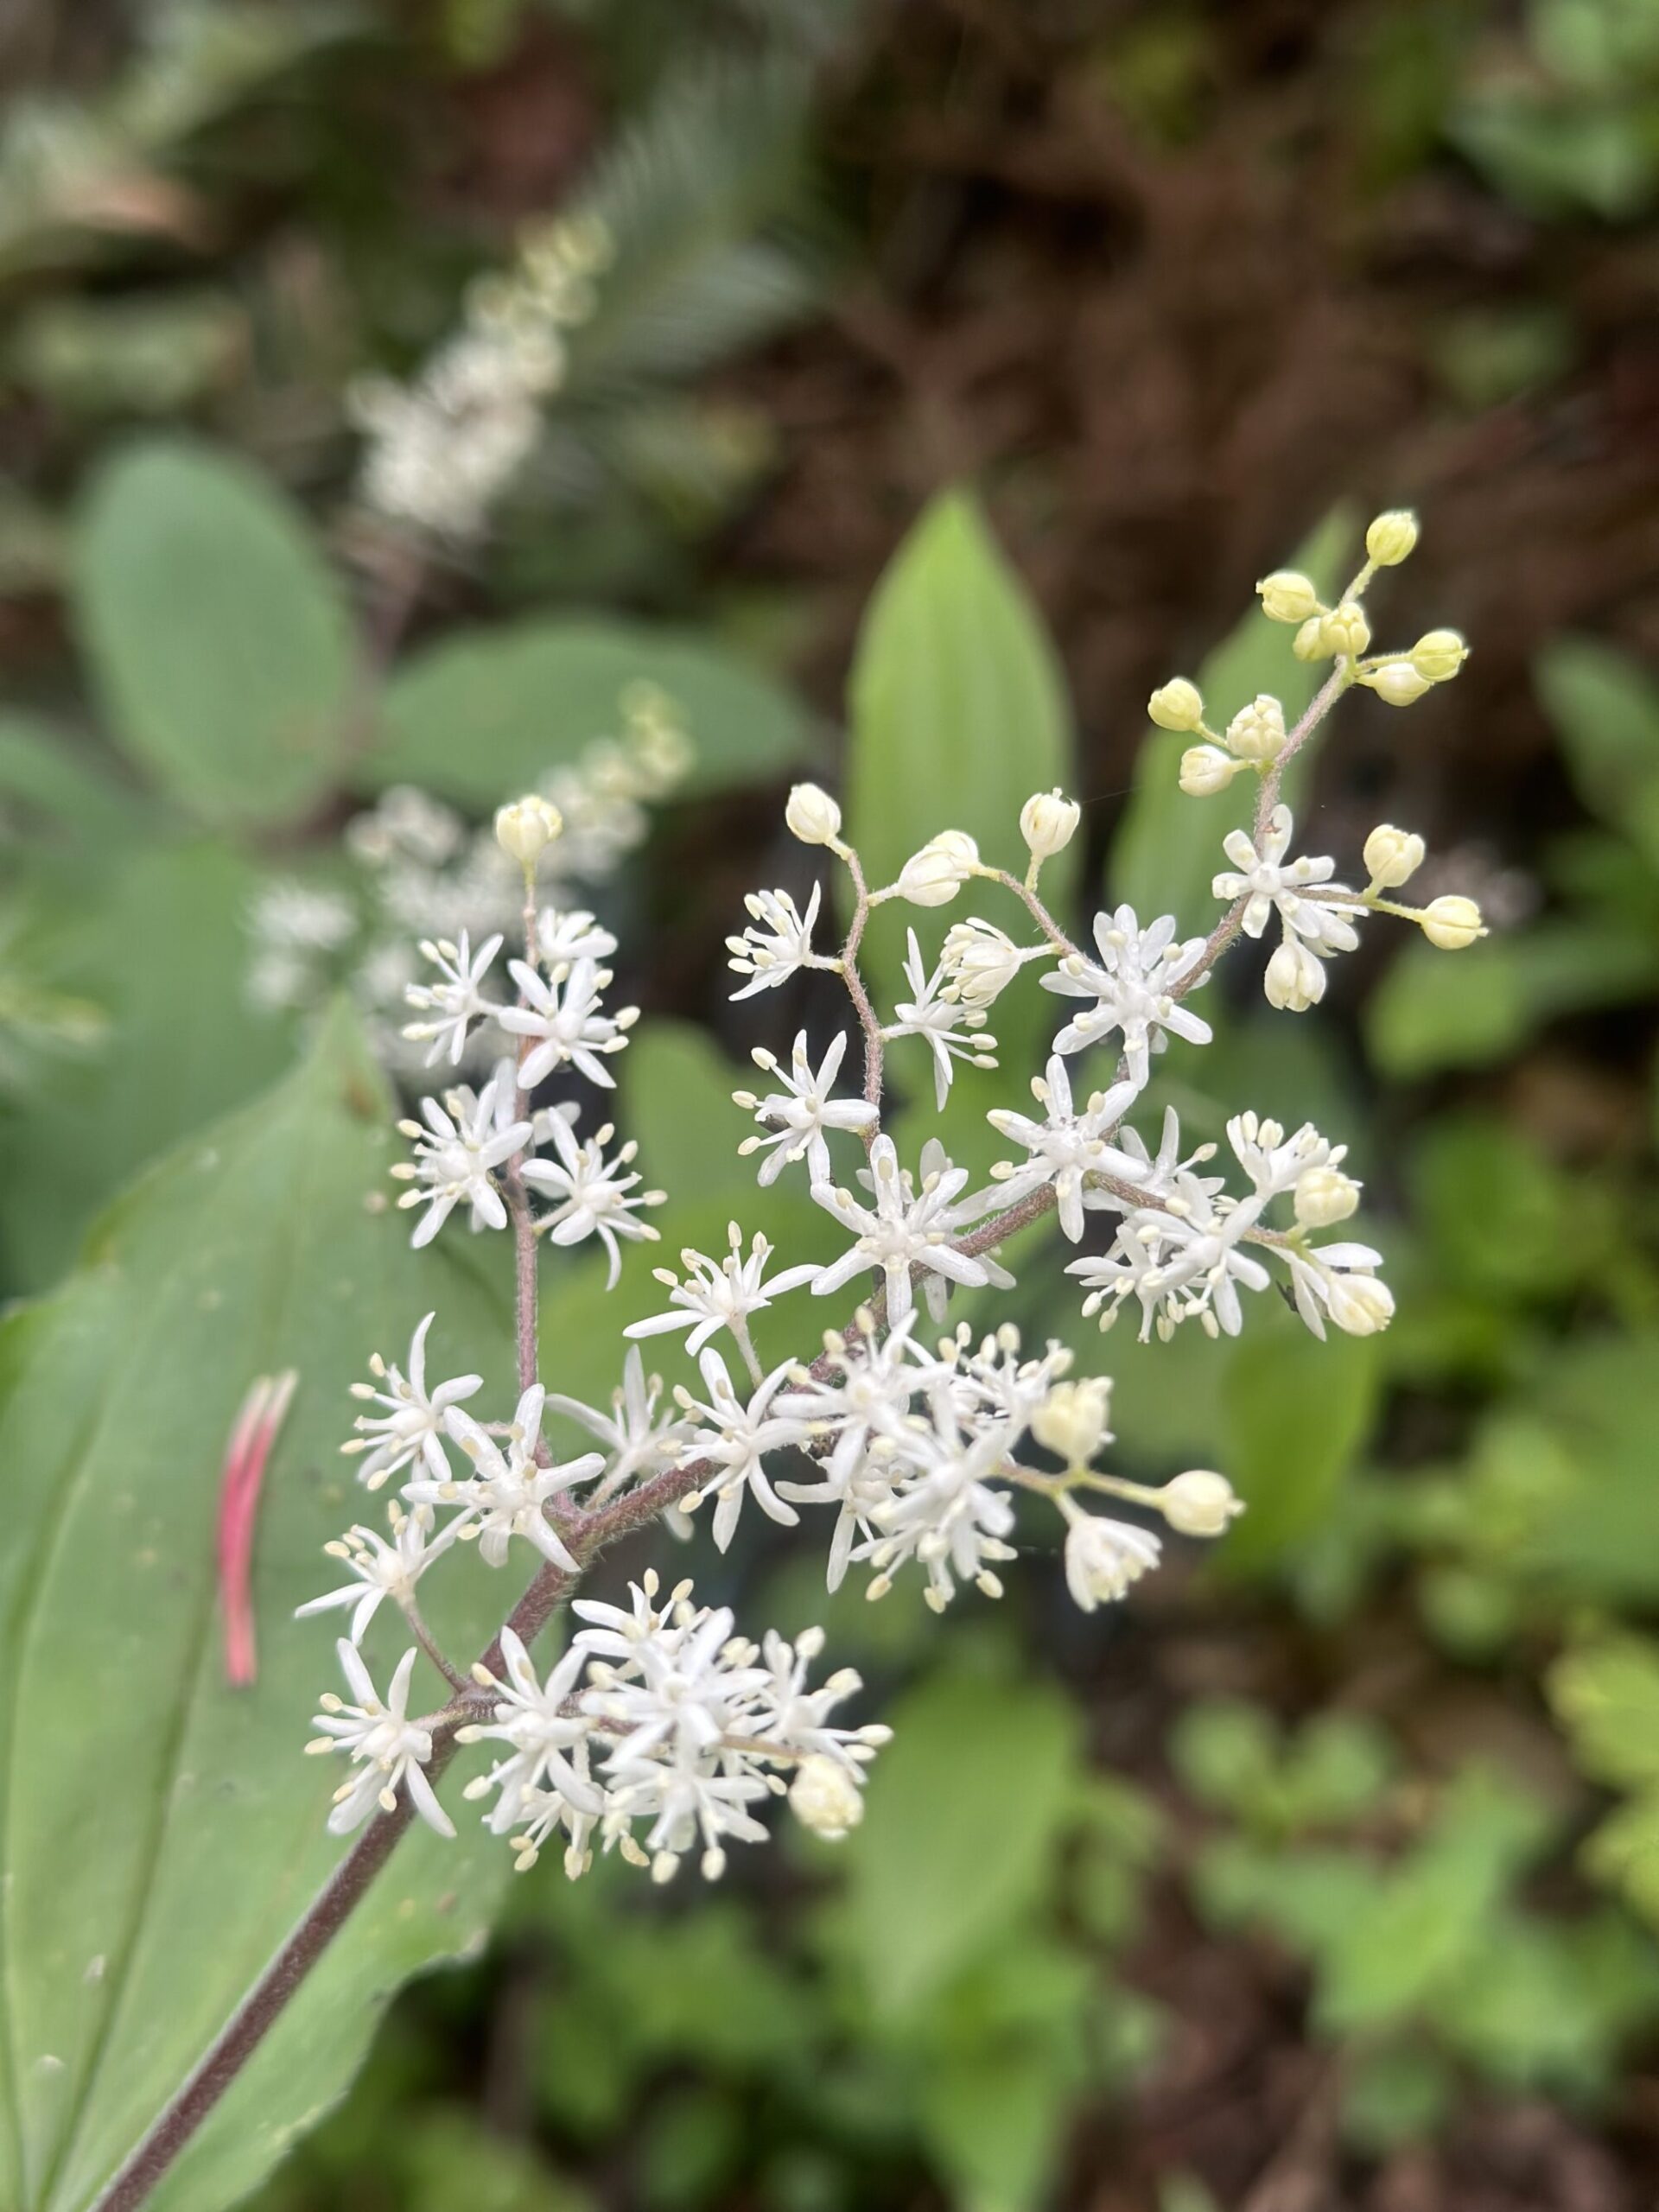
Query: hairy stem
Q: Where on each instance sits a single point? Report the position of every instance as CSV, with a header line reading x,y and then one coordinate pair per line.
x,y
859,997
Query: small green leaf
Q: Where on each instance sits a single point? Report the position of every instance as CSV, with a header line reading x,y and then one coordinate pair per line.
x,y
964,1809
162,1834
1167,847
488,712
958,714
1605,707
216,634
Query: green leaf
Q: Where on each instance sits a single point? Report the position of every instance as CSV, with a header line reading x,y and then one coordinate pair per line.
x,y
41,768
964,1809
1297,1412
216,634
488,712
992,2118
161,1834
1605,707
1606,1696
958,714
1167,847
155,940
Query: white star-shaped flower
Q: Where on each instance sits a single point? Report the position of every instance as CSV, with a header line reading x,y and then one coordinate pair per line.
x,y
595,1199
720,1294
507,1489
1133,985
455,1001
391,1749
798,1117
547,1744
567,935
382,1570
1066,1146
736,1434
1265,880
777,943
412,1425
954,1031
455,1155
903,1230
566,1019
636,1444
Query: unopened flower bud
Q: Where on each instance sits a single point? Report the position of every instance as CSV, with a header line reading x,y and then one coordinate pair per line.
x,y
1309,642
1257,732
824,1797
1205,769
1071,1421
933,876
812,816
1360,1304
1294,979
1439,655
526,828
979,960
1324,1196
1396,683
1393,856
1200,1503
1392,537
1103,1557
1346,629
1288,596
1176,705
1451,922
1048,822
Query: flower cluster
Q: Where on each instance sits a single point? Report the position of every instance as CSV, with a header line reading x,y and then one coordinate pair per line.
x,y
428,893
441,448
660,1730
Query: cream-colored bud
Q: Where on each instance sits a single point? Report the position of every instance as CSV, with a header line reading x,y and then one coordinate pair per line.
x,y
1294,978
979,960
933,876
825,1798
526,828
1393,856
1360,1304
1309,642
1072,1419
1176,705
812,816
1392,537
1396,683
1288,596
1200,1503
1048,822
1451,922
1257,732
1344,629
1324,1196
1439,655
1205,769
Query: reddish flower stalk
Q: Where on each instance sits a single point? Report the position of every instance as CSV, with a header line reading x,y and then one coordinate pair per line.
x,y
251,1438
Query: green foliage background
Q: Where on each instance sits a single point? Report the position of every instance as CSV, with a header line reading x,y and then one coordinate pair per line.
x,y
1388,1763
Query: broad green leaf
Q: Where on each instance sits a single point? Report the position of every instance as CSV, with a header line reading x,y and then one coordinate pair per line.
x,y
217,636
487,713
161,1833
1167,847
964,1809
42,770
992,2118
156,939
958,714
1605,707
1435,1010
1296,1413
